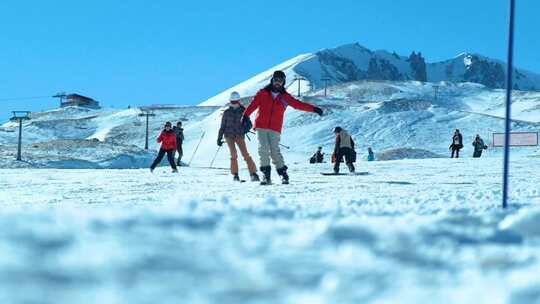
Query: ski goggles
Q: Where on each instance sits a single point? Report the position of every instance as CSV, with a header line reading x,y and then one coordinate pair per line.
x,y
278,80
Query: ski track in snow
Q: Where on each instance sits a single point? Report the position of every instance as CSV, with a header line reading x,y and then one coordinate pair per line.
x,y
412,231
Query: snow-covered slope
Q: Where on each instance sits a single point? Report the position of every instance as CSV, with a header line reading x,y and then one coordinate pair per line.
x,y
390,115
382,114
83,138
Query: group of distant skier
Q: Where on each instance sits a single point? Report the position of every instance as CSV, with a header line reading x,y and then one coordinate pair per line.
x,y
171,139
271,103
457,144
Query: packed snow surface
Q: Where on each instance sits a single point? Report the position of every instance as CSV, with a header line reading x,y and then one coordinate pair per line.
x,y
411,231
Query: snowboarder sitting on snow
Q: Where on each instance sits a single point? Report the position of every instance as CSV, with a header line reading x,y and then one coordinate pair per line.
x,y
479,146
457,143
234,131
179,131
371,155
271,102
317,158
344,148
167,138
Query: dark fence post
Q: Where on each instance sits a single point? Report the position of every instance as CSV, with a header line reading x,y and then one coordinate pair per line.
x,y
507,120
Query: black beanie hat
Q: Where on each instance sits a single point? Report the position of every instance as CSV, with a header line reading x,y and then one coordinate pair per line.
x,y
338,129
279,74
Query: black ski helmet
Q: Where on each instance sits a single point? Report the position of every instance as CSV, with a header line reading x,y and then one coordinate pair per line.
x,y
338,129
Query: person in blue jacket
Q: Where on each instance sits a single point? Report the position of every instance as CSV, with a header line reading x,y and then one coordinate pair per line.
x,y
370,156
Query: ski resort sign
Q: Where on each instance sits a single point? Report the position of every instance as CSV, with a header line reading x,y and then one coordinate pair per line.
x,y
518,139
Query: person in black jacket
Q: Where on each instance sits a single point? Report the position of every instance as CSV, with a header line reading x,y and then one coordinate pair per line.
x,y
318,157
479,146
457,143
344,148
179,131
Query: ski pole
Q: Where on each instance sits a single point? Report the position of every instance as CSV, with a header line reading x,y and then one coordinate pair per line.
x,y
284,146
196,148
215,155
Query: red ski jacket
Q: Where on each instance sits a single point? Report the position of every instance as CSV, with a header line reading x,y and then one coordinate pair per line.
x,y
271,110
167,140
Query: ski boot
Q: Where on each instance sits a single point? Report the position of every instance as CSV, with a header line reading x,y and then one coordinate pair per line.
x,y
266,176
255,177
284,176
174,170
236,178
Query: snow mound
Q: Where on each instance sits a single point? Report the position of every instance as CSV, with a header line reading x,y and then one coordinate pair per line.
x,y
405,153
525,222
76,154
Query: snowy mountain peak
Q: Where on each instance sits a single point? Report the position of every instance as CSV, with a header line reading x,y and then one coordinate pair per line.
x,y
462,55
351,46
353,62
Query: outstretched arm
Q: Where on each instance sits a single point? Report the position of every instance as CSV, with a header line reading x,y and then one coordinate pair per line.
x,y
297,104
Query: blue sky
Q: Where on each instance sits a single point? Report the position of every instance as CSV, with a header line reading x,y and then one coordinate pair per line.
x,y
183,52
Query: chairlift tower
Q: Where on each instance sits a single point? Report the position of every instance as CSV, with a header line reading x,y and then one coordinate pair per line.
x,y
326,80
61,96
20,116
146,113
298,79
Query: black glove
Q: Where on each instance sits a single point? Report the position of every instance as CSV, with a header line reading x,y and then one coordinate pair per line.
x,y
219,142
317,110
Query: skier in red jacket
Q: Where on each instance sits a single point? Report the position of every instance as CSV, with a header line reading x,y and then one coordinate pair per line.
x,y
271,102
167,138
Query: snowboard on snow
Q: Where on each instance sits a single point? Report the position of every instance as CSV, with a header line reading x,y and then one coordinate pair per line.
x,y
340,174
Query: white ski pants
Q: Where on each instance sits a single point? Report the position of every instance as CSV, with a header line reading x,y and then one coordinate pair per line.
x,y
269,148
